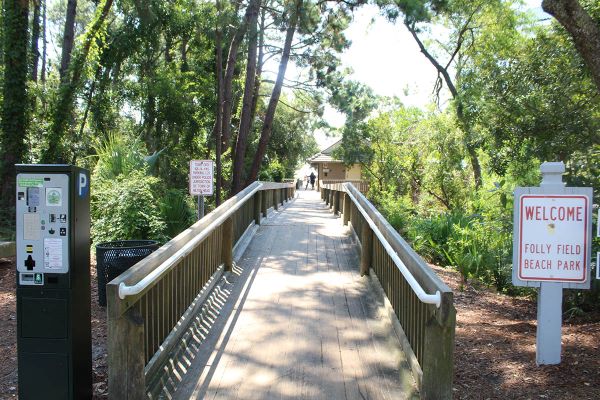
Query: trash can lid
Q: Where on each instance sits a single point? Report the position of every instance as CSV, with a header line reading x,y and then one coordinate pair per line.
x,y
120,244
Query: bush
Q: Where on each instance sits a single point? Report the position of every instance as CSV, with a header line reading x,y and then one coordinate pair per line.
x,y
127,207
177,210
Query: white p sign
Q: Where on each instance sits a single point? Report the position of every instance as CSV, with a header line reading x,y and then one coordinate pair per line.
x,y
82,185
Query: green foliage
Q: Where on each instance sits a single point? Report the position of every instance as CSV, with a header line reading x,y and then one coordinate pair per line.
x,y
126,208
177,210
123,210
118,155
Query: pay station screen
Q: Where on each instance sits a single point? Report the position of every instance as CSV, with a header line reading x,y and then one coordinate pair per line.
x,y
42,226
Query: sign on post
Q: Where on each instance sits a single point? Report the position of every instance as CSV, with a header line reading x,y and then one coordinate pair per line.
x,y
552,250
201,181
201,177
553,238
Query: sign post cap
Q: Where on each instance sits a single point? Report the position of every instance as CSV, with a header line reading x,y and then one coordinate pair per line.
x,y
552,174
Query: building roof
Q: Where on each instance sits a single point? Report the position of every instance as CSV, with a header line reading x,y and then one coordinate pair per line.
x,y
325,155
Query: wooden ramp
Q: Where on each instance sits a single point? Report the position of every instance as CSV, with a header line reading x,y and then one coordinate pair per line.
x,y
298,321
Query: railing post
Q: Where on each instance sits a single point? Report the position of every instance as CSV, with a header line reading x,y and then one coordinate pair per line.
x,y
257,206
336,202
438,358
125,352
366,244
263,204
276,199
347,207
227,244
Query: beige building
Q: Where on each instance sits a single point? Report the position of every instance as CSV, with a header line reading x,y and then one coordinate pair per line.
x,y
330,169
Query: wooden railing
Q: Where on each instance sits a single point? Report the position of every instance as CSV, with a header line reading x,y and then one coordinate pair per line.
x,y
362,186
151,304
421,302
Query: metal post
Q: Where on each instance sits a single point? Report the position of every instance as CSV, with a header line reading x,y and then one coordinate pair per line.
x,y
200,207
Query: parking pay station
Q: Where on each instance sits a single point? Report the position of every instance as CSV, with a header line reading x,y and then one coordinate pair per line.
x,y
53,282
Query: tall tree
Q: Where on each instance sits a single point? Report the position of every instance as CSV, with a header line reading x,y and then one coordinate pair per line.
x,y
68,38
237,178
65,102
14,106
44,43
583,28
35,37
219,119
234,46
443,72
267,127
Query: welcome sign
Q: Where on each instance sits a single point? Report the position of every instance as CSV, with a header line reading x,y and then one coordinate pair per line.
x,y
553,238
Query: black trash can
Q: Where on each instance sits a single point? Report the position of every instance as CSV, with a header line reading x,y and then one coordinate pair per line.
x,y
114,258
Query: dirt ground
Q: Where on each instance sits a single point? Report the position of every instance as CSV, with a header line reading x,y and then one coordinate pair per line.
x,y
494,357
494,354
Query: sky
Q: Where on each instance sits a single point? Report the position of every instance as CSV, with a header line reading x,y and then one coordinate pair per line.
x,y
385,57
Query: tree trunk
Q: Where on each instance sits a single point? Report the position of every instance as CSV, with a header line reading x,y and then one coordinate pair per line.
x,y
465,126
168,45
219,116
35,37
68,38
63,108
582,28
184,51
245,121
267,128
229,73
44,44
259,65
14,106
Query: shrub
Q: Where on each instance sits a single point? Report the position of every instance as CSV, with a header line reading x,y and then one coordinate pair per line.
x,y
127,207
177,210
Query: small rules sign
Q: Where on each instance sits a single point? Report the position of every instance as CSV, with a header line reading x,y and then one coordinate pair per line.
x,y
553,237
201,177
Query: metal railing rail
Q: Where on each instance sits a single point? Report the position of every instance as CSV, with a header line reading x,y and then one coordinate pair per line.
x,y
425,322
151,304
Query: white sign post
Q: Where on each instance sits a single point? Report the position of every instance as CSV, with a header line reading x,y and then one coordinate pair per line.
x,y
552,250
201,181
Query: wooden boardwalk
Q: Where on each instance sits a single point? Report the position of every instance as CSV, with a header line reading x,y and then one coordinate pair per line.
x,y
298,321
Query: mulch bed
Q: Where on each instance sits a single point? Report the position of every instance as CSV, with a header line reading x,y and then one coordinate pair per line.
x,y
495,349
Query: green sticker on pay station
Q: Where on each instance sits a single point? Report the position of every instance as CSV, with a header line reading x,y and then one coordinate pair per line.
x,y
54,197
30,182
38,279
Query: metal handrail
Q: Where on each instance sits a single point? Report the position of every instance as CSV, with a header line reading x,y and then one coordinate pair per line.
x,y
414,284
126,290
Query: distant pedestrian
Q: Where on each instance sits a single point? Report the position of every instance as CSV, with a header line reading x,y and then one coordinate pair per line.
x,y
312,177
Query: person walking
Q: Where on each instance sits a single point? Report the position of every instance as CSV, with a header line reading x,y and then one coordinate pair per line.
x,y
312,177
